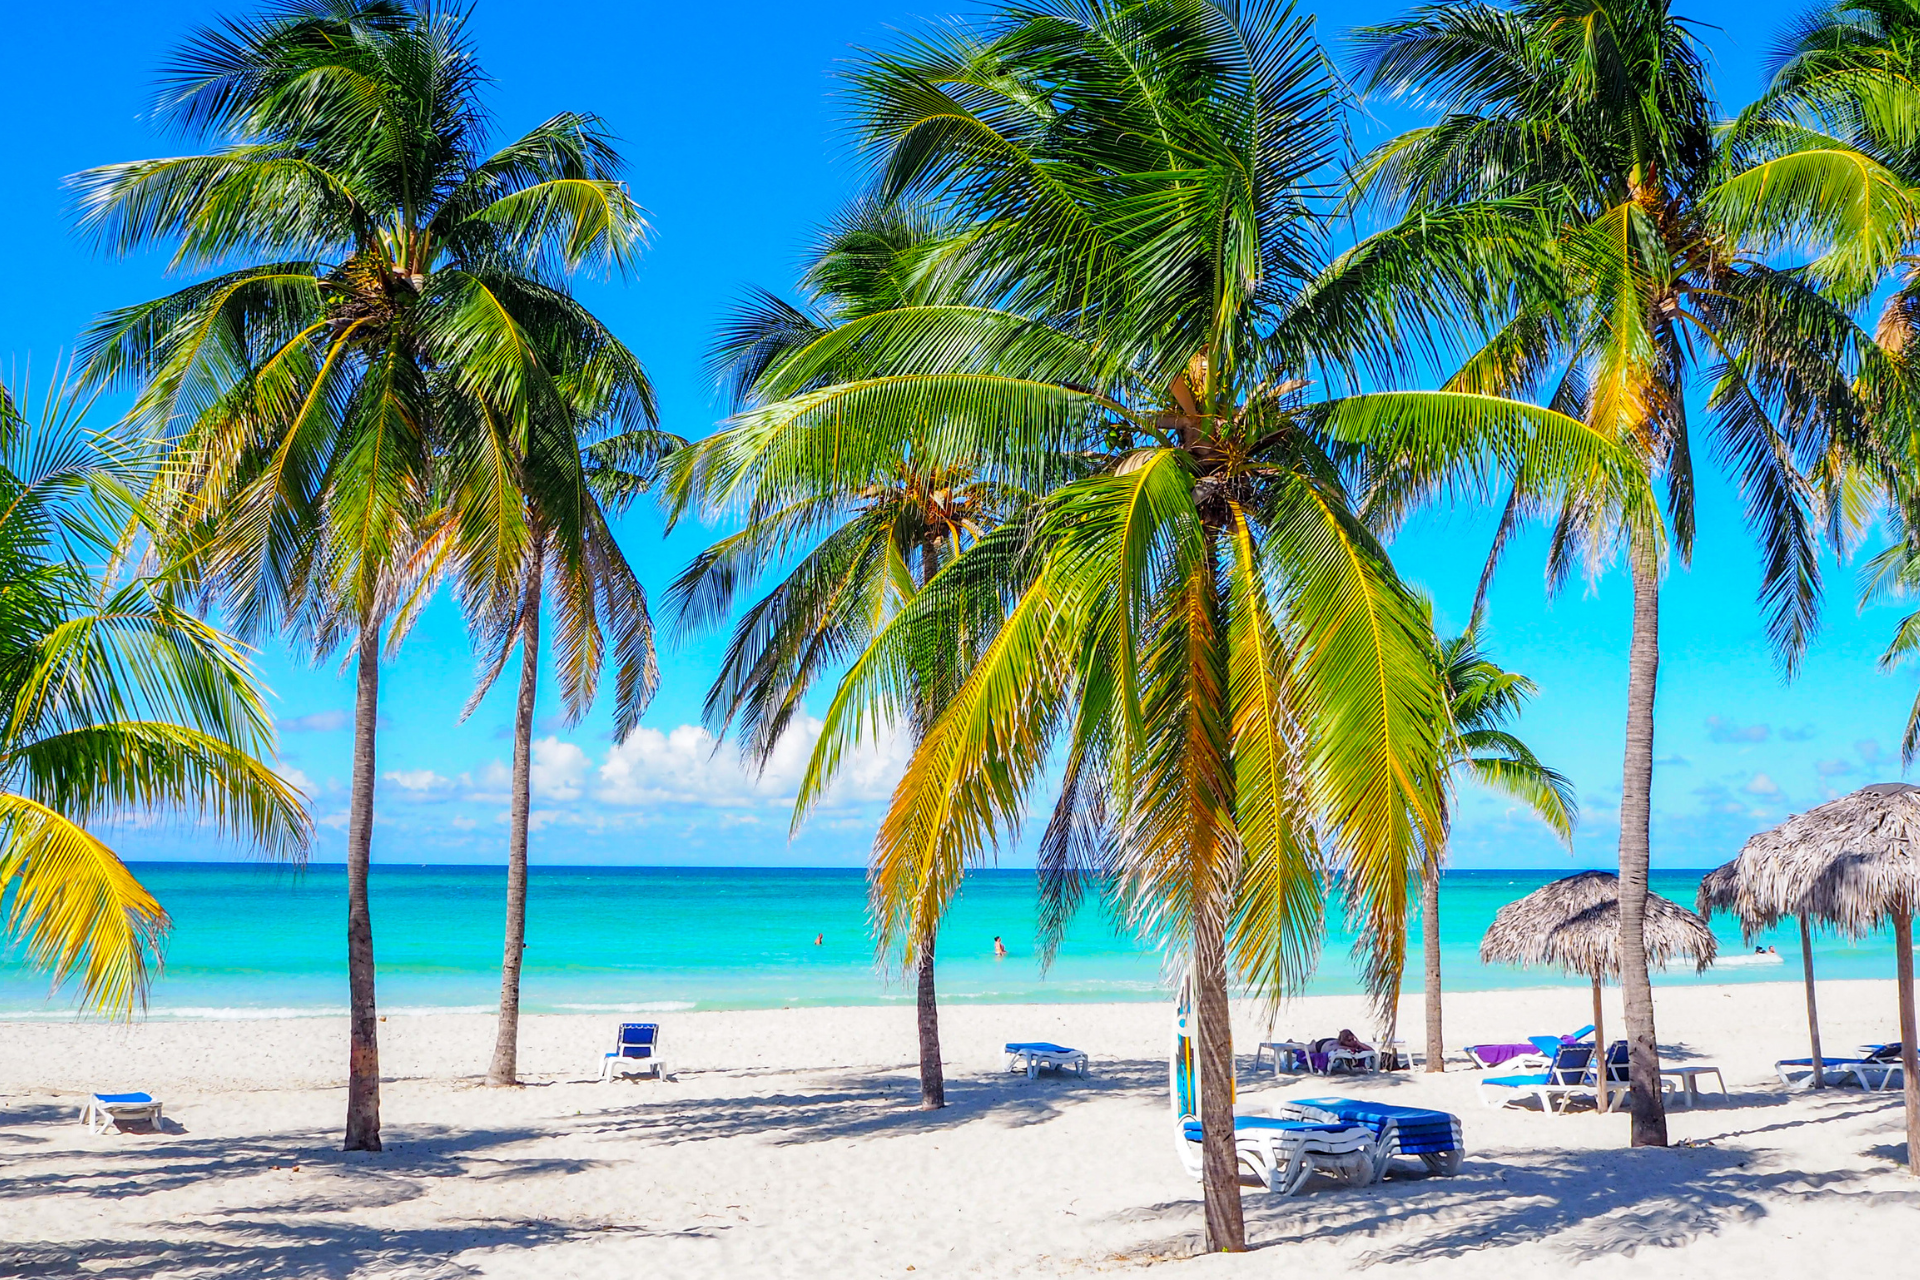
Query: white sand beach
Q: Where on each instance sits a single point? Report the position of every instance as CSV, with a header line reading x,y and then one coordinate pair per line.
x,y
788,1143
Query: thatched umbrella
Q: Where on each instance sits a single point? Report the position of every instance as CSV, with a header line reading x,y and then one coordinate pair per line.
x,y
1852,863
1721,890
1575,923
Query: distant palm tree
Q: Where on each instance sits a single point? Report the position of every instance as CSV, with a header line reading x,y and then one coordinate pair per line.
x,y
403,296
1594,119
529,515
113,701
1206,627
1483,700
872,546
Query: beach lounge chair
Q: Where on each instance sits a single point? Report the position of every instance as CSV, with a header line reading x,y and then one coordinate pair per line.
x,y
636,1049
1570,1073
1798,1072
1032,1055
1878,1070
1433,1136
1282,1152
103,1110
1541,1047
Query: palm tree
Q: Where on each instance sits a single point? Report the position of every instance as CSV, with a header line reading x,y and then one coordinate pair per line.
x,y
1483,700
871,548
1239,684
1595,115
113,701
530,525
398,297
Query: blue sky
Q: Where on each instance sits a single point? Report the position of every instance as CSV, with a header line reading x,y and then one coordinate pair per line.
x,y
729,125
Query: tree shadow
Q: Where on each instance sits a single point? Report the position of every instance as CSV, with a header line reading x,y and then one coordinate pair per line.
x,y
1591,1204
272,1249
856,1105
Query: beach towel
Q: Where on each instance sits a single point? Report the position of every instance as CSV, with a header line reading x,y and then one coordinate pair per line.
x,y
1495,1054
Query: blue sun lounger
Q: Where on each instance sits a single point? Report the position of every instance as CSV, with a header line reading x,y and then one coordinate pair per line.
x,y
1798,1072
1284,1152
1571,1072
637,1048
103,1110
1432,1136
1035,1054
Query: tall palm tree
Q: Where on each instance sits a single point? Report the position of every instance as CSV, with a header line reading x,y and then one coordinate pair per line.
x,y
1240,684
1483,700
399,296
529,515
870,548
1596,116
113,700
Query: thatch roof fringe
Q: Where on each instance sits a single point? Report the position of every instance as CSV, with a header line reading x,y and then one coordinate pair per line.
x,y
1850,863
1575,923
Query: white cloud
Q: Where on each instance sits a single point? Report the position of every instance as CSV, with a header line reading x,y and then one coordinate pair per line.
x,y
1762,785
558,769
419,782
297,778
683,766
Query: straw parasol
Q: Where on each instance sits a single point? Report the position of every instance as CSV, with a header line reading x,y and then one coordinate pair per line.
x,y
1850,863
1575,923
1721,889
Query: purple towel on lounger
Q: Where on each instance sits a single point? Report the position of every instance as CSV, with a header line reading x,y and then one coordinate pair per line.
x,y
1495,1054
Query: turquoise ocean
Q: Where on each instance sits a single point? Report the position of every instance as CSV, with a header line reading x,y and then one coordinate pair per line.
x,y
260,941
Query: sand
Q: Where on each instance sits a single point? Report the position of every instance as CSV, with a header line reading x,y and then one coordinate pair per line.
x,y
789,1143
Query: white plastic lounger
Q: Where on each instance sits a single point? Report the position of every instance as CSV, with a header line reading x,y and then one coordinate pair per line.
x,y
1031,1055
103,1110
1281,1151
635,1049
1797,1073
1878,1070
1571,1073
1284,1152
1433,1137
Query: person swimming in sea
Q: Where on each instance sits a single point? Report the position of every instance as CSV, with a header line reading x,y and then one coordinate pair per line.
x,y
819,938
999,948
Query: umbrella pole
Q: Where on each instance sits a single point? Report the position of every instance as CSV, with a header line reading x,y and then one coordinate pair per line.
x,y
1903,969
1599,1025
1813,1015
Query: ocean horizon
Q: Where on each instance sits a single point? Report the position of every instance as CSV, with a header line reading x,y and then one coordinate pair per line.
x,y
254,940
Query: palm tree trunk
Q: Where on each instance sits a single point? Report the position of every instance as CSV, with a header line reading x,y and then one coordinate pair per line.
x,y
1430,943
1636,799
933,1084
933,1079
1909,1068
1213,1047
505,1069
363,1055
1813,1014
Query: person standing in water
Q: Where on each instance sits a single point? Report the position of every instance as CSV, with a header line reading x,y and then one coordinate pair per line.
x,y
999,948
819,938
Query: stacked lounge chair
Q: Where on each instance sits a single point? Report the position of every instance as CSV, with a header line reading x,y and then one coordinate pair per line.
x,y
1433,1136
1281,1152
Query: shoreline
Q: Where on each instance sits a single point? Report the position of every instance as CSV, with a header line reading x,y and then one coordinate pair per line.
x,y
1774,974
